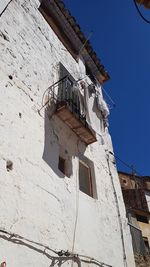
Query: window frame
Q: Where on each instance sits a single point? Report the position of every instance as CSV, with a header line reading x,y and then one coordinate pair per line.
x,y
90,182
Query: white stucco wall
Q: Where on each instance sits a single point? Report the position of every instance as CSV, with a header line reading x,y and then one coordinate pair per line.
x,y
36,201
147,195
3,5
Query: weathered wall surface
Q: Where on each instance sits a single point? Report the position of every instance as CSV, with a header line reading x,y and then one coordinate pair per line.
x,y
36,201
3,5
142,261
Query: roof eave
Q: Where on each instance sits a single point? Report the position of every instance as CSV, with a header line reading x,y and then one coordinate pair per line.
x,y
99,71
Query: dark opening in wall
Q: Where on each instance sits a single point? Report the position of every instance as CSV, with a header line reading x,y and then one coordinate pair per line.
x,y
9,165
61,165
10,77
141,218
124,181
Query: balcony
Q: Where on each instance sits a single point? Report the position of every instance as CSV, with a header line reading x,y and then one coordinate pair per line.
x,y
68,110
135,199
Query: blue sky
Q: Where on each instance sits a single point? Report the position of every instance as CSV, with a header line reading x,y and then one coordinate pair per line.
x,y
122,41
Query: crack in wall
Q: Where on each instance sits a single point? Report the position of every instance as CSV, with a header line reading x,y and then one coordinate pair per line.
x,y
54,196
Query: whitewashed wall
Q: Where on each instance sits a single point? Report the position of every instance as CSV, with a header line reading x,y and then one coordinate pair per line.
x,y
3,5
36,201
147,195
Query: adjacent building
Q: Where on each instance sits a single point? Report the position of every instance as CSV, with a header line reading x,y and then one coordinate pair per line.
x,y
60,196
136,194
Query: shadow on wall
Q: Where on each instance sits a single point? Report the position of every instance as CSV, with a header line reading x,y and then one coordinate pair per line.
x,y
51,148
61,257
39,248
59,145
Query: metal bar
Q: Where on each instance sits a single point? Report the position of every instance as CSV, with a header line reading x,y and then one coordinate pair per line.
x,y
58,81
66,94
134,226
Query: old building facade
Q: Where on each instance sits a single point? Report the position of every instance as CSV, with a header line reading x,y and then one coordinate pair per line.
x,y
61,201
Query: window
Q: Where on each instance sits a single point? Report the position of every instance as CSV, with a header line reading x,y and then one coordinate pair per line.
x,y
85,181
90,75
66,92
141,218
65,88
124,181
61,165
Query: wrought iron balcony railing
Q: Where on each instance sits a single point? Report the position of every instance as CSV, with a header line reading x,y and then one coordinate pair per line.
x,y
68,108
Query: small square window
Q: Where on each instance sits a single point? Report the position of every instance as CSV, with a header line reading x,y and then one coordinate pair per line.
x,y
61,165
85,181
